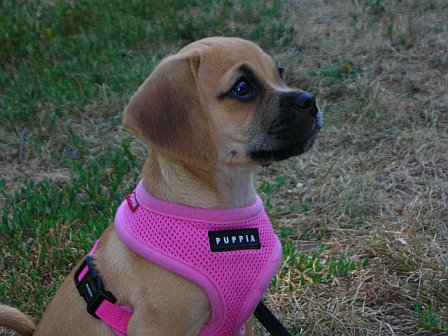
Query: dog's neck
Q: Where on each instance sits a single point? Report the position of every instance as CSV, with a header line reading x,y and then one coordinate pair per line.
x,y
224,187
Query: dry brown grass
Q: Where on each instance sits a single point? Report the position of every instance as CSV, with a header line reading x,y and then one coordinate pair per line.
x,y
378,178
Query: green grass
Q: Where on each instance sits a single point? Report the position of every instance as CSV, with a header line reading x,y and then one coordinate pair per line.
x,y
315,267
362,216
58,57
428,320
47,226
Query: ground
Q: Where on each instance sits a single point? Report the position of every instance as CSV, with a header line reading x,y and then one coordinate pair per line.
x,y
362,217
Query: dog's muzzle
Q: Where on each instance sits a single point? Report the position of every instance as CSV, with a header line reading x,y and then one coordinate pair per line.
x,y
291,132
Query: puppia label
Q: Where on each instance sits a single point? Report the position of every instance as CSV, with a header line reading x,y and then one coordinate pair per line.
x,y
232,240
132,201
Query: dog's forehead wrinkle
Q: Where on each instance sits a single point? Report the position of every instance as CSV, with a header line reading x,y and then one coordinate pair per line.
x,y
246,68
257,60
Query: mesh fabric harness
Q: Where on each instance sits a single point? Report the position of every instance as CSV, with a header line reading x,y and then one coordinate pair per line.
x,y
176,237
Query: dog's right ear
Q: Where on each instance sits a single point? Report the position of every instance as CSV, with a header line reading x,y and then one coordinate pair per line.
x,y
168,114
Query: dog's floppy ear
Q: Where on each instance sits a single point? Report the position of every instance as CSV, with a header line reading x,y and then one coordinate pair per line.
x,y
168,113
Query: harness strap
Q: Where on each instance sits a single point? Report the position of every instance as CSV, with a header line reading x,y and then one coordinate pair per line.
x,y
101,304
269,321
114,316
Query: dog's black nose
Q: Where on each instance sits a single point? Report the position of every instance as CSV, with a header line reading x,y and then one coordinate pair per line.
x,y
300,101
307,101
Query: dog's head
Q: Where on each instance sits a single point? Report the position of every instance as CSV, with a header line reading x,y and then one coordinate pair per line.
x,y
222,100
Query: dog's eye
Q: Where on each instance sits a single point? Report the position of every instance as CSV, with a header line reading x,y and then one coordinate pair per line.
x,y
242,89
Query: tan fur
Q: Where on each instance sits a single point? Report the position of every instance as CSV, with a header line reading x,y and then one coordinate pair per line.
x,y
167,122
14,319
196,158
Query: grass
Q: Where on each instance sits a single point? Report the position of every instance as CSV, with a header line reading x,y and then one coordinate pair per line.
x,y
363,217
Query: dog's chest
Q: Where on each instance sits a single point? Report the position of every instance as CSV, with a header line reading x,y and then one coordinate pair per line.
x,y
231,255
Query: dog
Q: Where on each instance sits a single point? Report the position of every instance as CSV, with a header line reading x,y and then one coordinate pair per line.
x,y
211,115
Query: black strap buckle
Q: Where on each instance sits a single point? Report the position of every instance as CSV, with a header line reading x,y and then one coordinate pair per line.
x,y
91,287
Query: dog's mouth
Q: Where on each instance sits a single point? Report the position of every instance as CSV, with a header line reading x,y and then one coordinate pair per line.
x,y
278,148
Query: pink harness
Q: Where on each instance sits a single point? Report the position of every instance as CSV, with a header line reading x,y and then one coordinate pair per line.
x,y
232,254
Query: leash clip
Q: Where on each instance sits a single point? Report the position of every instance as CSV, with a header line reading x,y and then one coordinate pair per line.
x,y
91,287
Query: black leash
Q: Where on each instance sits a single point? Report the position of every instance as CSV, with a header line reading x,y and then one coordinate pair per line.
x,y
269,321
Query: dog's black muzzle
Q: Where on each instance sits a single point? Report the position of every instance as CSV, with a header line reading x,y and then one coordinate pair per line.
x,y
291,132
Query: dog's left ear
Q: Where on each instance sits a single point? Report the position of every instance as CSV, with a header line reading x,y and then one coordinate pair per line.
x,y
168,112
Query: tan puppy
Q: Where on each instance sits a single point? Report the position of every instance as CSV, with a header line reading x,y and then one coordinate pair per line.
x,y
211,115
